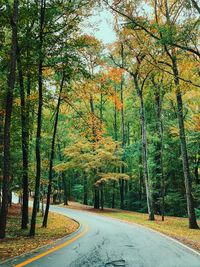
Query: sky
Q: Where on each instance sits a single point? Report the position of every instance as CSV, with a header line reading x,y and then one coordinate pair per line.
x,y
100,24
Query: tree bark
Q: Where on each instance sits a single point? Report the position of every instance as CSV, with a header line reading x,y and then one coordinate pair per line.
x,y
113,195
64,182
121,182
96,198
102,196
24,126
7,124
94,134
116,139
85,191
196,168
187,177
144,151
195,5
44,224
115,119
159,93
39,120
65,189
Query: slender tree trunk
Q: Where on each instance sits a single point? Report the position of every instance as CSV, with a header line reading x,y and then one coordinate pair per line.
x,y
39,120
85,191
94,133
144,151
10,198
65,189
196,168
1,145
102,196
69,188
9,103
160,155
64,181
96,198
160,180
115,120
24,126
140,185
145,162
121,185
42,200
128,134
113,195
59,189
188,182
195,5
116,138
101,111
52,155
122,182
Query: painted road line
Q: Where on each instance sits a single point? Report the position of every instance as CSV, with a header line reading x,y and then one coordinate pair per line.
x,y
54,249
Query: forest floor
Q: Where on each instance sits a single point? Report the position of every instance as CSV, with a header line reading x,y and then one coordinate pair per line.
x,y
17,242
174,227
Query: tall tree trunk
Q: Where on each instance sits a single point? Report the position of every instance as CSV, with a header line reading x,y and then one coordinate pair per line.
x,y
94,133
96,198
121,182
140,185
113,195
101,111
102,196
128,134
195,5
24,126
1,146
121,189
116,139
44,224
64,181
39,120
160,180
196,168
188,182
9,103
145,162
144,151
65,188
115,119
85,190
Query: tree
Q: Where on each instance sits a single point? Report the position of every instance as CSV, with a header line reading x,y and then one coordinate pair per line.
x,y
9,102
172,41
39,116
44,224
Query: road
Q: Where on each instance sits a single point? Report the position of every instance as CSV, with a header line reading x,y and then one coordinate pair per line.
x,y
109,243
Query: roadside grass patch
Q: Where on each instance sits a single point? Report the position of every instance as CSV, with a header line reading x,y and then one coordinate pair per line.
x,y
17,241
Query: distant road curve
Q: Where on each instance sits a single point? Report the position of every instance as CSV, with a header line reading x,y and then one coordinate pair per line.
x,y
105,242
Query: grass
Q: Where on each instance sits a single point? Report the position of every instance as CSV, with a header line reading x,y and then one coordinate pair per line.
x,y
17,241
174,227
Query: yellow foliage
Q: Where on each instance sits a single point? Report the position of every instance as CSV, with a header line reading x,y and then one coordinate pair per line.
x,y
105,177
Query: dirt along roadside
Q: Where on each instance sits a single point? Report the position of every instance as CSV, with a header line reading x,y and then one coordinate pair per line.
x,y
17,241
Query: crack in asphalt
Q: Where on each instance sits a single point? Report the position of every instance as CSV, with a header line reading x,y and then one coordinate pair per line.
x,y
117,263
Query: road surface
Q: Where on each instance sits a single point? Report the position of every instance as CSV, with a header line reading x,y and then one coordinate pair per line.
x,y
105,242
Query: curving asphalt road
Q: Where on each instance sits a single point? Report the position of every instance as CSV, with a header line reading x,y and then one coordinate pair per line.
x,y
109,243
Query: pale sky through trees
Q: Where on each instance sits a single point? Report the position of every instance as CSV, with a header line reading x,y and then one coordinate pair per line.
x,y
100,25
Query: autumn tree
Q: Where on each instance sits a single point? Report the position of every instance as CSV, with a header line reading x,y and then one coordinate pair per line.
x,y
166,28
13,18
